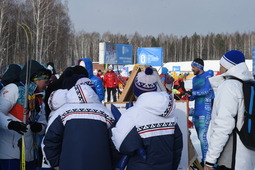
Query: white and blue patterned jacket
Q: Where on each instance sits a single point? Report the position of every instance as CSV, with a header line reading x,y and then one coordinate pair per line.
x,y
150,124
79,132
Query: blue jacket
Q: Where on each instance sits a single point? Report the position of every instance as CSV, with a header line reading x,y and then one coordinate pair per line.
x,y
96,81
202,93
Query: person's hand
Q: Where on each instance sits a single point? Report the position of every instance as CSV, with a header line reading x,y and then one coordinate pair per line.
x,y
17,126
35,127
208,167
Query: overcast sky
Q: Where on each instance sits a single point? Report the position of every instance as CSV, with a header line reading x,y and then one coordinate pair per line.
x,y
152,17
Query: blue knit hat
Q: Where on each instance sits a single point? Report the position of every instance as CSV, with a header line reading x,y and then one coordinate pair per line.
x,y
145,81
232,58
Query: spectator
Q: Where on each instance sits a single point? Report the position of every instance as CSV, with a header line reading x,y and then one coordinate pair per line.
x,y
179,86
122,79
78,138
100,75
11,75
167,79
50,66
69,71
111,82
149,124
87,63
228,113
12,123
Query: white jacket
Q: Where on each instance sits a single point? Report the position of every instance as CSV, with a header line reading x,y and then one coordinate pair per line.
x,y
9,138
228,103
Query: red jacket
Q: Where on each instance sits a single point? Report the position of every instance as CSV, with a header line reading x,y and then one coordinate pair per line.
x,y
110,79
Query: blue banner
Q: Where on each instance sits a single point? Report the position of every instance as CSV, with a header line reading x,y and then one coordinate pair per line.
x,y
110,56
150,56
176,68
124,54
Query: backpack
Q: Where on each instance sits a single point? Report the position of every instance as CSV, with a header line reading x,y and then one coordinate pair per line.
x,y
247,132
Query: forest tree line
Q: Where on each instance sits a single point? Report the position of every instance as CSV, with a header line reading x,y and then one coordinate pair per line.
x,y
42,30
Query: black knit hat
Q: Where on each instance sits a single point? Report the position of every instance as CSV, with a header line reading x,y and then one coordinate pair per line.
x,y
70,81
35,70
80,70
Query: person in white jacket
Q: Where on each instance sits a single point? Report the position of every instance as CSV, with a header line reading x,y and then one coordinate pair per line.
x,y
12,125
228,103
149,124
78,137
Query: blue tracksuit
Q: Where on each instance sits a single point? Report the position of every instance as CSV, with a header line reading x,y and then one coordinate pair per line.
x,y
203,95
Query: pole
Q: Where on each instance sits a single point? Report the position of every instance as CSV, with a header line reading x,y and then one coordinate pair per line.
x,y
23,153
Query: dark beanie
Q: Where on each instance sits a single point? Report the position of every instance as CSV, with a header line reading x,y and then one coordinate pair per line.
x,y
70,81
80,70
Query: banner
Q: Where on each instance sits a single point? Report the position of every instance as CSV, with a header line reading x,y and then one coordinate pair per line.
x,y
110,53
150,56
124,54
176,68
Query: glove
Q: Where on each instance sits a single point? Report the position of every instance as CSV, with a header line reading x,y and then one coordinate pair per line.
x,y
35,127
17,126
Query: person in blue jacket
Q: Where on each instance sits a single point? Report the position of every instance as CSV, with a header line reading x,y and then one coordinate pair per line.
x,y
167,79
87,63
202,93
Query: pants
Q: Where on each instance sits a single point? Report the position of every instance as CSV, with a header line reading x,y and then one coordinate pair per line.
x,y
14,164
111,91
222,168
201,124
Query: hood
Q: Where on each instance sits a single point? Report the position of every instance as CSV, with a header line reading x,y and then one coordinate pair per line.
x,y
164,70
11,74
54,99
158,103
87,81
240,71
82,94
88,65
33,67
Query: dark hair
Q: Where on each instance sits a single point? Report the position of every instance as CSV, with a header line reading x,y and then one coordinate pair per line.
x,y
199,61
80,70
70,81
